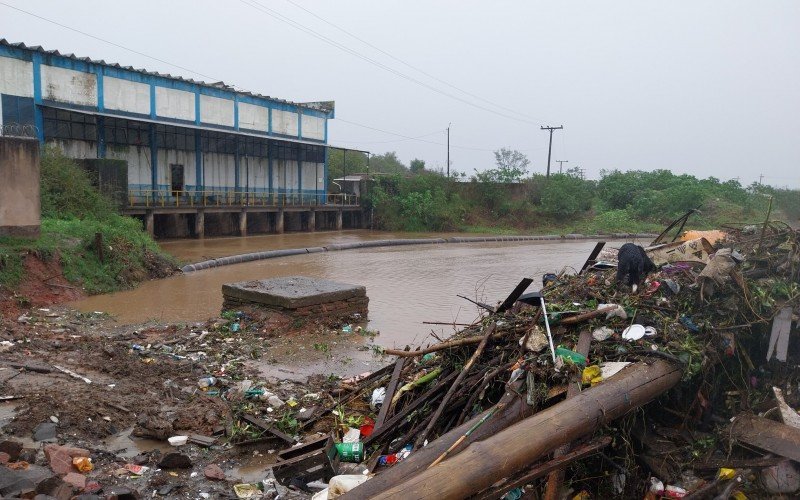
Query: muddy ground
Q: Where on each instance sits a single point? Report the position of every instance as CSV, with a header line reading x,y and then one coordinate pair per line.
x,y
145,386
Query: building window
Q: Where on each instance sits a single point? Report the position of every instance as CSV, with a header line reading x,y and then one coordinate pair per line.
x,y
126,132
16,110
171,137
217,142
280,150
253,146
311,153
62,124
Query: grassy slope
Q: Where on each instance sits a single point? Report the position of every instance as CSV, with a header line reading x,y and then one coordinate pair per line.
x,y
72,213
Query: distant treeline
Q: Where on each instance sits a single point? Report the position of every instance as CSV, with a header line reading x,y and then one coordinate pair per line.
x,y
506,199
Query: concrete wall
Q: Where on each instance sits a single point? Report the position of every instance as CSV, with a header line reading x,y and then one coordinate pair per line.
x,y
20,207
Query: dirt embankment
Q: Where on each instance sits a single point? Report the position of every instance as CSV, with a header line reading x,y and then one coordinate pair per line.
x,y
43,284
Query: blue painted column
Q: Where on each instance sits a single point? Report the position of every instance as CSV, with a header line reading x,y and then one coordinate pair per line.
x,y
300,124
269,173
325,169
236,164
198,166
101,121
153,157
38,117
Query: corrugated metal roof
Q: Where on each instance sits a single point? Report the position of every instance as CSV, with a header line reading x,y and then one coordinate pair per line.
x,y
326,106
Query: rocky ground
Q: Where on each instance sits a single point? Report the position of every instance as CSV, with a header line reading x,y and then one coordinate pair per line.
x,y
80,385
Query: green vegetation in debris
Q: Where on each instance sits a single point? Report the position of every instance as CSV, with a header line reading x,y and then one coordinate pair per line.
x,y
506,199
73,213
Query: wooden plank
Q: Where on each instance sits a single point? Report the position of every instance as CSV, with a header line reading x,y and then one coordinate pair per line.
x,y
390,390
556,478
592,260
514,295
410,408
767,435
268,427
201,440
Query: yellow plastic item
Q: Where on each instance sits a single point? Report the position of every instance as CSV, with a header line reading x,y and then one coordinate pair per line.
x,y
590,374
583,495
738,495
726,473
83,464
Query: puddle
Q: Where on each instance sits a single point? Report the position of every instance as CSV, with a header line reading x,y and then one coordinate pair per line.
x,y
254,469
127,446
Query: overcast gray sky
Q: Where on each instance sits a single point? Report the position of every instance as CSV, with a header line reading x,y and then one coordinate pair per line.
x,y
700,87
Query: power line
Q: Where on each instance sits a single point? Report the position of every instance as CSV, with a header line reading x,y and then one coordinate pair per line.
x,y
407,64
276,15
467,148
109,42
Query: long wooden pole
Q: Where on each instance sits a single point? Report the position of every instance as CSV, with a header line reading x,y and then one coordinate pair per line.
x,y
441,346
514,449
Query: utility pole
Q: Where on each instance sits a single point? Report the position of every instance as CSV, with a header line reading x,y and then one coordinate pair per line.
x,y
561,164
760,178
550,148
448,150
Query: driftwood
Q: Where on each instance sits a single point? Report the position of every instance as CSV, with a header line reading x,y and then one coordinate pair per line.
x,y
441,346
768,435
513,449
464,371
390,390
546,468
586,316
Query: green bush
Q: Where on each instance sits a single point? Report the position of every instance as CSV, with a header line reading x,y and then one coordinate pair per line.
x,y
67,191
566,195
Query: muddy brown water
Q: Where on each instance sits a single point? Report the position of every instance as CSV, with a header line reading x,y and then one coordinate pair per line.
x,y
406,285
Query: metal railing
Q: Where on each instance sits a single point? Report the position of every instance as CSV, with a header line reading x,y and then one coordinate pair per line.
x,y
161,198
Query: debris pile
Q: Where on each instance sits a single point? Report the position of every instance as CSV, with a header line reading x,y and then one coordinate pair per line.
x,y
721,320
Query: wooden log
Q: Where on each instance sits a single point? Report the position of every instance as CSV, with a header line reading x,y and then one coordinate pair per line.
x,y
515,448
464,371
586,316
514,409
441,346
545,468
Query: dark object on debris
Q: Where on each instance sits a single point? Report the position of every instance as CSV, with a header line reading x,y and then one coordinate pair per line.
x,y
46,431
633,264
152,425
767,435
167,489
315,460
680,222
175,460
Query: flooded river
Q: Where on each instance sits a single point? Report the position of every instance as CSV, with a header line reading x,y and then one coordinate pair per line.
x,y
406,285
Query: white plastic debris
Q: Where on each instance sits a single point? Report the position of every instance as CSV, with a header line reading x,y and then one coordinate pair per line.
x,y
351,436
619,311
633,332
378,395
602,333
178,440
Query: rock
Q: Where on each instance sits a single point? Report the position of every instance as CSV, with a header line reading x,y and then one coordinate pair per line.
x,y
153,426
167,489
4,458
92,487
28,455
175,460
782,478
13,483
46,431
13,448
120,493
213,472
44,497
76,480
88,496
55,487
141,459
60,457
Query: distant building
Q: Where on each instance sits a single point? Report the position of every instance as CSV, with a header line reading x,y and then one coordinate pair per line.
x,y
182,139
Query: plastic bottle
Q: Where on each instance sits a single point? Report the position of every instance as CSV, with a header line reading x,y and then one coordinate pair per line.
x,y
206,382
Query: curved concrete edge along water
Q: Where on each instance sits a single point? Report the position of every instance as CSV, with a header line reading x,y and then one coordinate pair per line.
x,y
272,254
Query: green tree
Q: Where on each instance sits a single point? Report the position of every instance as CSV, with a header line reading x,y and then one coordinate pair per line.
x,y
566,195
356,163
387,163
512,165
417,166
